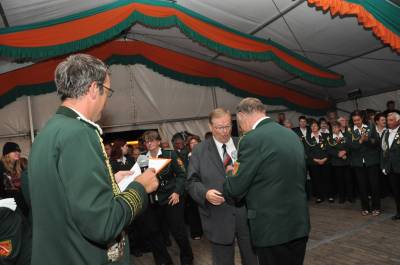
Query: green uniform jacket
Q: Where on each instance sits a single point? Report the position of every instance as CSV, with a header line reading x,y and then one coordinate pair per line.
x,y
172,177
270,175
369,150
77,208
316,150
390,161
333,150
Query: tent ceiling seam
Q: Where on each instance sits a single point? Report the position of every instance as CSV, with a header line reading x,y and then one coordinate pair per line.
x,y
291,31
3,16
344,60
270,21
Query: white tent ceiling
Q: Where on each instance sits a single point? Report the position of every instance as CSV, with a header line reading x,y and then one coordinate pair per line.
x,y
338,43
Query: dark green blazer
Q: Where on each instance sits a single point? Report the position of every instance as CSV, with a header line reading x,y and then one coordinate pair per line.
x,y
270,175
334,147
316,150
77,208
390,157
172,177
368,151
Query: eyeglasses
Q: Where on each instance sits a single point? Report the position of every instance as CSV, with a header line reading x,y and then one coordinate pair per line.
x,y
110,91
221,128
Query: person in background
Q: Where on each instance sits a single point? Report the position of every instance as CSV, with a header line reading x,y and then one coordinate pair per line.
x,y
223,223
331,116
364,159
324,126
119,159
390,107
207,135
317,159
191,209
165,145
167,202
107,148
281,118
135,154
340,163
303,130
390,157
344,123
288,124
270,175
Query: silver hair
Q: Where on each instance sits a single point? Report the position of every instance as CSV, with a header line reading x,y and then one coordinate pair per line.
x,y
250,105
75,74
395,114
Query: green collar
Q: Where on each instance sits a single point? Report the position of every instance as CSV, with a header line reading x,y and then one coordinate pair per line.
x,y
62,110
263,122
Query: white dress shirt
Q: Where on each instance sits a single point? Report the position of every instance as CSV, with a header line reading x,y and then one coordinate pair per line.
x,y
304,131
258,121
337,136
392,134
316,138
230,148
379,132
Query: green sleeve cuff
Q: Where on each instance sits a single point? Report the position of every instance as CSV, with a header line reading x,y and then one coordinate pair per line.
x,y
136,197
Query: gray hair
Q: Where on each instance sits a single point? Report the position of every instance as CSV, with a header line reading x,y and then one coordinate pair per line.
x,y
75,74
395,114
251,105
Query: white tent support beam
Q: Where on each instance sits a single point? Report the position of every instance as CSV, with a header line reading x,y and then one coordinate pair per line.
x,y
14,135
214,97
345,60
32,132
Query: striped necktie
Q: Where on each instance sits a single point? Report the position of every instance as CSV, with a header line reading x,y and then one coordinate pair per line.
x,y
227,160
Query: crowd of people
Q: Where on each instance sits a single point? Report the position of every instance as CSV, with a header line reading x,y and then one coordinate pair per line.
x,y
225,189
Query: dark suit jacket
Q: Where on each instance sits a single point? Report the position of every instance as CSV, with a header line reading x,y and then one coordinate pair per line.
x,y
369,150
390,157
206,171
271,174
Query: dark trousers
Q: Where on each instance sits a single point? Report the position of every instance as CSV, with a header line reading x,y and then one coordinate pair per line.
x,y
321,178
395,185
344,182
291,253
152,234
369,182
174,217
192,217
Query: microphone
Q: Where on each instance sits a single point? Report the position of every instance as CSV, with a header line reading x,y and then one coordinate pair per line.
x,y
143,162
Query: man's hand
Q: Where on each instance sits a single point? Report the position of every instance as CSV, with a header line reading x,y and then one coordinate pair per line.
x,y
120,175
149,180
214,197
341,153
173,199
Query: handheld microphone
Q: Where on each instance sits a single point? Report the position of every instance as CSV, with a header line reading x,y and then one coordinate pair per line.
x,y
143,162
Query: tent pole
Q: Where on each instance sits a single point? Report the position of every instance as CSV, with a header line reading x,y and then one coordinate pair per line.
x,y
32,133
214,98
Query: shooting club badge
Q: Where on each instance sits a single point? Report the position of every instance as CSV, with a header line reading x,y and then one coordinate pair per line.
x,y
116,251
235,168
180,163
5,248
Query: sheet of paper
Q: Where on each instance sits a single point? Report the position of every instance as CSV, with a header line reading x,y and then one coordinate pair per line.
x,y
158,163
123,184
8,203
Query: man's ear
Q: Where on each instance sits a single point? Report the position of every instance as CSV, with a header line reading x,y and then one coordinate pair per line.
x,y
93,90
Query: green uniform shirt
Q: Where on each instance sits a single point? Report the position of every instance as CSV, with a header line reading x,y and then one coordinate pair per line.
x,y
77,208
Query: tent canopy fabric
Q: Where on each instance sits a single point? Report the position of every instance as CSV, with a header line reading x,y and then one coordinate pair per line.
x,y
337,43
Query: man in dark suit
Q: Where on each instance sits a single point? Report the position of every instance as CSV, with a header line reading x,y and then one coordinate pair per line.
x,y
302,131
270,174
390,159
222,223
